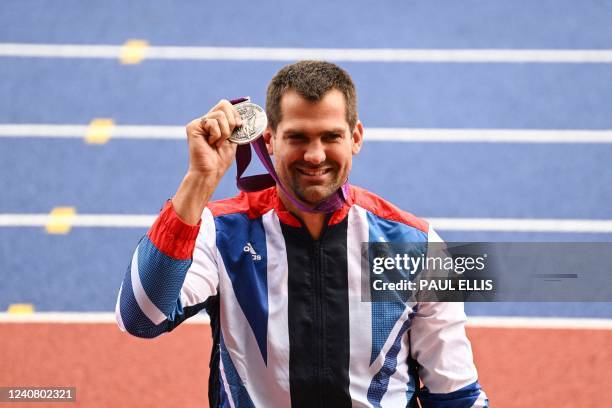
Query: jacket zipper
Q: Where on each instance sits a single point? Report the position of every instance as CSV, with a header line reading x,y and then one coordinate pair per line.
x,y
319,318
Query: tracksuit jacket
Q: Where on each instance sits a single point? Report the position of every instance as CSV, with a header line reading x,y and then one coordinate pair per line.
x,y
288,321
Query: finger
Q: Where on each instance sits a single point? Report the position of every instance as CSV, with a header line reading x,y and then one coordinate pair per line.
x,y
195,128
232,115
212,129
224,125
218,117
221,119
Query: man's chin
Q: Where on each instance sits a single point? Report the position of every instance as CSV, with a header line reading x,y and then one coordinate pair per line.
x,y
313,196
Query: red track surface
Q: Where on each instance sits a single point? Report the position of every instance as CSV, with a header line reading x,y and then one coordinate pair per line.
x,y
518,367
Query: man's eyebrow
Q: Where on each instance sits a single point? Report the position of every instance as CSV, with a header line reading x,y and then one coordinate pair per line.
x,y
325,131
293,132
335,130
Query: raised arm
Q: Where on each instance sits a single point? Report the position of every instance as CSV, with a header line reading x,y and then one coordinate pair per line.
x,y
173,271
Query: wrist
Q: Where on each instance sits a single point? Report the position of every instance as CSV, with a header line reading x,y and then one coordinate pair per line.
x,y
201,180
202,176
193,194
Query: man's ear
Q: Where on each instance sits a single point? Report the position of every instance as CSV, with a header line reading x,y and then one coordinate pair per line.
x,y
357,137
267,135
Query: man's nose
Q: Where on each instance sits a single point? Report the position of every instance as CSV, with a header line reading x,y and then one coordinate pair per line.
x,y
315,153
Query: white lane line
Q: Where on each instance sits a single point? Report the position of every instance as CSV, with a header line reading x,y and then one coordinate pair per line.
x,y
372,134
522,225
76,317
538,323
443,224
79,131
488,135
333,54
80,220
473,321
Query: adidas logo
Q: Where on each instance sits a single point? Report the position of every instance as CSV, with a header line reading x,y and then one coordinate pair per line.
x,y
249,248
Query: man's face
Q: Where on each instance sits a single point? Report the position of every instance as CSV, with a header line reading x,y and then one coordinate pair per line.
x,y
313,145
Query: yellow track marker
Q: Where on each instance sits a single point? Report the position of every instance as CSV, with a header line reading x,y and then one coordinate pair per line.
x,y
99,131
133,51
21,308
60,220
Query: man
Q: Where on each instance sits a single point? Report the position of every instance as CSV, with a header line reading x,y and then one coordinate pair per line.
x,y
282,285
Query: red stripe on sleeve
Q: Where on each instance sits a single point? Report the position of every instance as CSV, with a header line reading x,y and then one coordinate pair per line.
x,y
173,236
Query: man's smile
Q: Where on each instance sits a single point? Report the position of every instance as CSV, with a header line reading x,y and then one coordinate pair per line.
x,y
314,172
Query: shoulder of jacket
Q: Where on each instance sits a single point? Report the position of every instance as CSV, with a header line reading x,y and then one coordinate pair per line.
x,y
253,204
384,209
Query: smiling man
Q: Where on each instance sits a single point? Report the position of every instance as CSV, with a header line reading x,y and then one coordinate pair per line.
x,y
313,141
314,170
279,270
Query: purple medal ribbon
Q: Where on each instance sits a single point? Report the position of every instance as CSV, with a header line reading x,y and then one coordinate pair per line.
x,y
262,181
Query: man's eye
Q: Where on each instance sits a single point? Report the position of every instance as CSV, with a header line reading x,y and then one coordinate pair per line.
x,y
295,138
333,137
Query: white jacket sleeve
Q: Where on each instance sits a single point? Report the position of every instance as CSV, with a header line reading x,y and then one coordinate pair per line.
x,y
439,344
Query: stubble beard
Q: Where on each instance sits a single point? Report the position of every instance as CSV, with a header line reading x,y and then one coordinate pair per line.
x,y
313,194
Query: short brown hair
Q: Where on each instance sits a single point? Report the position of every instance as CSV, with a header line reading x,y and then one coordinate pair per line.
x,y
311,80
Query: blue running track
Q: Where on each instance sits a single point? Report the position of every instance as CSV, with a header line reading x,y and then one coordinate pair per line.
x,y
82,271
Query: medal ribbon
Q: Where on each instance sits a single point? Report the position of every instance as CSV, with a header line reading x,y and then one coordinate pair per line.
x,y
262,181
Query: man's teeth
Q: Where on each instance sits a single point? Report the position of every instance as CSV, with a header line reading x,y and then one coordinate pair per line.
x,y
314,172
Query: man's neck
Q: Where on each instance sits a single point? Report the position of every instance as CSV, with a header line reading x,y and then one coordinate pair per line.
x,y
314,222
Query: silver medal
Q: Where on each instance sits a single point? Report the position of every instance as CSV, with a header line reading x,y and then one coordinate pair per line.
x,y
254,122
